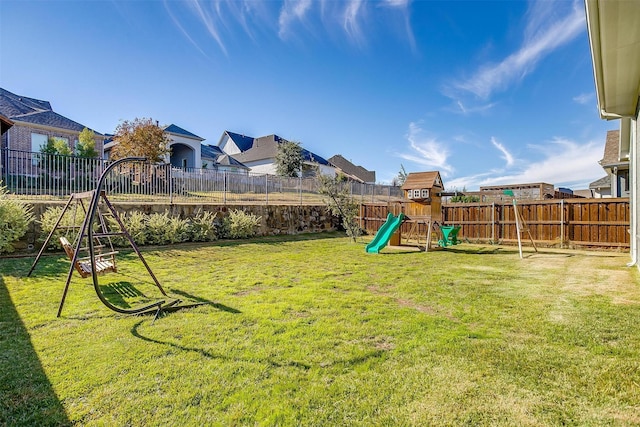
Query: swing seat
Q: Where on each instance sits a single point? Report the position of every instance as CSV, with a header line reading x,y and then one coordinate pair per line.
x,y
105,263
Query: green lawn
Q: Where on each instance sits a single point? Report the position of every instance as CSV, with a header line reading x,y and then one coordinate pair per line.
x,y
311,330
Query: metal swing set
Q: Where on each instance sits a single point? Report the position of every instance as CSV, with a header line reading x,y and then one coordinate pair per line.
x,y
94,240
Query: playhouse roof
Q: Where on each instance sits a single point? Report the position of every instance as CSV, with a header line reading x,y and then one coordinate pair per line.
x,y
422,180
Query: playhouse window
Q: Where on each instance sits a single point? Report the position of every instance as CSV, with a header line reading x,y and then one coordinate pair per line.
x,y
425,193
416,194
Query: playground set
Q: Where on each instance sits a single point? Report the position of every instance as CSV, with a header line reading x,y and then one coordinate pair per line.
x,y
101,223
421,211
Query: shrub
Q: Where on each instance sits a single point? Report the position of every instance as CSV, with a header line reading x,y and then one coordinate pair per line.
x,y
203,227
136,224
68,226
240,225
15,218
163,229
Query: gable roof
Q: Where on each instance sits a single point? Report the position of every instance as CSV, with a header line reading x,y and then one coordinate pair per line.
x,y
177,130
35,111
352,170
243,142
417,180
604,182
266,147
215,154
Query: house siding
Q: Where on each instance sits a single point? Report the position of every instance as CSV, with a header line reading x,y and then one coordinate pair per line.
x,y
19,136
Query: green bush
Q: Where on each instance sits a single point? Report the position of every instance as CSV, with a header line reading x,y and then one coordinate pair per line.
x,y
15,218
136,224
203,227
68,226
163,229
240,225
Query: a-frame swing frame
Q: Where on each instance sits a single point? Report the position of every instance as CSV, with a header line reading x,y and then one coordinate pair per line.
x,y
86,230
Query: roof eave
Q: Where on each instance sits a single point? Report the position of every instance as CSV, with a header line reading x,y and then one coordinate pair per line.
x,y
615,71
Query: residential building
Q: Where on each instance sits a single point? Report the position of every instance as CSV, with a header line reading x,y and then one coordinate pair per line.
x,y
259,154
213,158
34,122
616,165
614,38
351,171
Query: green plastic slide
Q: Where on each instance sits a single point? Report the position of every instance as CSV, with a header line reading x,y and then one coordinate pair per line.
x,y
384,233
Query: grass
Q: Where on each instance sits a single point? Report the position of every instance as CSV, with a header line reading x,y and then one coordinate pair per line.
x,y
312,330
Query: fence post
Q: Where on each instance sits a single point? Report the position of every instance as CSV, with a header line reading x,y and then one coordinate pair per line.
x,y
493,222
561,223
266,189
224,187
170,175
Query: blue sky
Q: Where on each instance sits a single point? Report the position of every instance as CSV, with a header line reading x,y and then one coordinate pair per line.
x,y
486,92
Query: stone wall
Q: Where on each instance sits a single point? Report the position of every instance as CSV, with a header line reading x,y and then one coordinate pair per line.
x,y
275,219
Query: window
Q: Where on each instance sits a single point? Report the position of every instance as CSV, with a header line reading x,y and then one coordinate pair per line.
x,y
425,193
416,194
37,141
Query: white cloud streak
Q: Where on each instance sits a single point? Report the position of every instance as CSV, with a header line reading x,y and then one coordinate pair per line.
x,y
426,151
222,18
506,155
292,10
584,98
565,163
543,34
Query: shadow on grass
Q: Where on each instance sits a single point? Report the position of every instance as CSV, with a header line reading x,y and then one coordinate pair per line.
x,y
293,363
193,298
26,395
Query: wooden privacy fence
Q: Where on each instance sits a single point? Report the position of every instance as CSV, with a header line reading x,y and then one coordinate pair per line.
x,y
565,222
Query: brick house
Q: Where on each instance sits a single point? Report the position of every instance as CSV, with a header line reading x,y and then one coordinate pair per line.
x,y
34,121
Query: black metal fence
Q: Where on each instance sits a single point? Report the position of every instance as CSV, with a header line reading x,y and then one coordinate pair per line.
x,y
30,175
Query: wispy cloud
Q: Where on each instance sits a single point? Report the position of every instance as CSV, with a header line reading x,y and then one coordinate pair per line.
x,y
565,163
543,34
225,19
506,155
584,98
292,10
426,151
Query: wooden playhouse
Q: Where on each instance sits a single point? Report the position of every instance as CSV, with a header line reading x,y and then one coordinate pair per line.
x,y
422,207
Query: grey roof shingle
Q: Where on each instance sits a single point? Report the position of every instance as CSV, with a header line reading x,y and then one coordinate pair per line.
x,y
350,169
179,131
216,155
604,182
35,111
611,148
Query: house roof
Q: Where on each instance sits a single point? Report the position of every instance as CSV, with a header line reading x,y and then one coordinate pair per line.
x,y
612,150
604,182
422,180
177,130
266,147
350,169
615,42
216,155
243,142
35,111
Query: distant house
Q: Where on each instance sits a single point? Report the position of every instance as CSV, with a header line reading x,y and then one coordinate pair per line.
x,y
351,171
34,122
527,191
616,164
259,154
185,147
214,158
